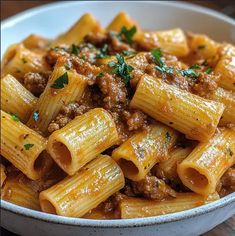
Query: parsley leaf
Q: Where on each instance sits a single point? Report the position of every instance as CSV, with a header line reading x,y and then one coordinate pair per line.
x,y
74,50
103,52
27,146
195,66
66,66
208,70
128,34
60,82
36,115
157,55
190,73
14,117
101,74
121,68
128,53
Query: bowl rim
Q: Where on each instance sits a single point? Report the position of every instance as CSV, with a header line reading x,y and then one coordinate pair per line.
x,y
117,223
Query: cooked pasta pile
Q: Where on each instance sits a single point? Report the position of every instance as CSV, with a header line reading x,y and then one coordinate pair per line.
x,y
117,122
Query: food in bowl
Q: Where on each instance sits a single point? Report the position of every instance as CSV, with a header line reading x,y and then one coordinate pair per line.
x,y
117,122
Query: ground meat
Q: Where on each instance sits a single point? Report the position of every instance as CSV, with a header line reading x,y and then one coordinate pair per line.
x,y
66,114
115,45
150,187
135,119
36,82
96,38
113,89
227,183
205,84
54,53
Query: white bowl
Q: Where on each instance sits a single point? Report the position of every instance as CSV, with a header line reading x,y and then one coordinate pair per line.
x,y
50,20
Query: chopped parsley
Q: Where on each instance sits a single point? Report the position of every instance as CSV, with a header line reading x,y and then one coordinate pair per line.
x,y
128,34
24,60
103,52
195,66
208,70
128,53
157,55
14,117
27,146
202,46
121,68
161,67
101,74
74,50
60,82
190,73
36,115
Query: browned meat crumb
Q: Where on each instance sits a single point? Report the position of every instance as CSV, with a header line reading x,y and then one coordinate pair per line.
x,y
96,38
66,114
150,187
113,89
227,183
36,82
54,53
135,119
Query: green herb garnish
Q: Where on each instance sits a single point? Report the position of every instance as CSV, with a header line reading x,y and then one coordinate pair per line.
x,y
190,73
121,68
128,34
157,55
74,50
60,82
103,52
208,70
36,115
128,53
28,146
101,74
14,117
67,67
195,66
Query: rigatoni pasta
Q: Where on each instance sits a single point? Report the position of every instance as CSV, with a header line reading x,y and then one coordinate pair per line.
x,y
64,86
143,150
117,122
137,208
206,164
194,116
82,139
76,195
23,147
16,99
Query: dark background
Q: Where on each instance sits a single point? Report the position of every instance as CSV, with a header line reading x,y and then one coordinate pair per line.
x,y
10,8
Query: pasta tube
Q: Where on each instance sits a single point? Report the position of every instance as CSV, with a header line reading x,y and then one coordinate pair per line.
x,y
23,147
15,98
143,150
170,41
190,114
64,86
75,35
18,192
122,20
169,166
82,139
78,194
19,60
228,99
205,165
137,207
226,67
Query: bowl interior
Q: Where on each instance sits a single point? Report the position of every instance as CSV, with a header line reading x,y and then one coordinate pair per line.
x,y
51,20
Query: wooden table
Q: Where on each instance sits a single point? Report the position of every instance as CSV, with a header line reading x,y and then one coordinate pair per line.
x,y
9,8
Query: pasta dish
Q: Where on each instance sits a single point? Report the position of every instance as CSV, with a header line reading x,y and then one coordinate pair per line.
x,y
117,122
